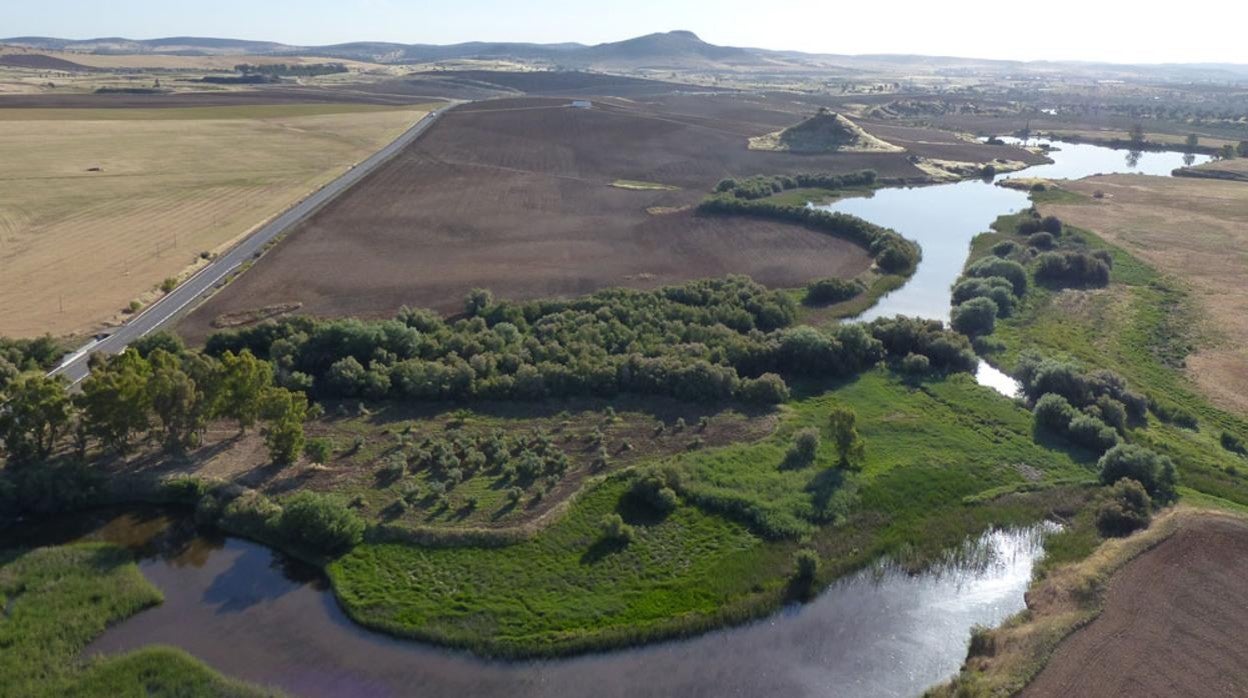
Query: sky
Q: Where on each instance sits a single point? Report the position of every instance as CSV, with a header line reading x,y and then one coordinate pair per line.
x,y
1091,30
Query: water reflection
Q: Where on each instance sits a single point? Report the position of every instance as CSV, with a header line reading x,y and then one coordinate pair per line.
x,y
1188,159
1133,159
880,632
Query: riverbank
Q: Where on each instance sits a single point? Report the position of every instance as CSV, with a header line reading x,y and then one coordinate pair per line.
x,y
1036,651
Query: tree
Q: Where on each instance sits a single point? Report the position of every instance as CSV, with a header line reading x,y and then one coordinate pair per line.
x,y
614,529
319,451
1136,134
284,412
115,400
850,449
1152,470
477,301
37,413
1192,142
1242,149
1126,508
320,523
244,380
177,402
805,447
978,316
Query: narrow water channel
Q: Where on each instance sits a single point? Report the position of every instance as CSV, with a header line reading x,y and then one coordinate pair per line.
x,y
255,615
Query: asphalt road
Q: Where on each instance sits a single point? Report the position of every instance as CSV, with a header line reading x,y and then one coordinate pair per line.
x,y
161,313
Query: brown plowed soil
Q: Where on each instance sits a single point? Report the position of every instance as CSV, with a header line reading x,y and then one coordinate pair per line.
x,y
1174,624
515,195
40,62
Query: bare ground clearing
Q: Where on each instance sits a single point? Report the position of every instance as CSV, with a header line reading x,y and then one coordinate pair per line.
x,y
1196,229
515,195
1173,623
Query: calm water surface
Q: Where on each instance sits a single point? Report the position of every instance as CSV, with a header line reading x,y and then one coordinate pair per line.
x,y
255,615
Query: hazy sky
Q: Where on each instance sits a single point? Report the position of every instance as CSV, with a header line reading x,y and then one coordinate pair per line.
x,y
1099,30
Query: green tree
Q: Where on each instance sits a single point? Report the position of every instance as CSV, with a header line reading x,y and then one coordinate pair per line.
x,y
1136,134
177,402
244,382
116,404
850,449
37,413
477,301
1242,149
1152,470
320,523
284,412
1192,142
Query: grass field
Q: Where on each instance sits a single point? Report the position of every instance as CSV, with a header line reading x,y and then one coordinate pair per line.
x,y
725,554
1197,231
76,246
56,600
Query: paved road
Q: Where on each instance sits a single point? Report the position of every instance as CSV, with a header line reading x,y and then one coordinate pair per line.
x,y
162,312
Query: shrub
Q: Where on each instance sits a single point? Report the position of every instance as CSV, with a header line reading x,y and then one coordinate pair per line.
x,y
1152,470
999,289
1071,269
319,451
1051,225
1126,508
653,489
614,529
916,364
806,565
1005,248
1091,433
767,389
1004,268
320,523
1054,412
850,448
1233,443
1041,241
1173,414
804,448
975,317
831,290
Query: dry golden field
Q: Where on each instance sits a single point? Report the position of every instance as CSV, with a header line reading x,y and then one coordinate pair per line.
x,y
78,244
1195,229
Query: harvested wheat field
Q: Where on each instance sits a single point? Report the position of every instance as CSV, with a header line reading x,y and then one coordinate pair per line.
x,y
98,207
1174,623
516,195
1197,230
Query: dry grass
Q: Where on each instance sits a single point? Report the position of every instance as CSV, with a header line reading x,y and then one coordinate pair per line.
x,y
154,61
1196,229
78,245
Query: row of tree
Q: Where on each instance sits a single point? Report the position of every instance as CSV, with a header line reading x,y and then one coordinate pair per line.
x,y
893,253
762,186
702,341
163,397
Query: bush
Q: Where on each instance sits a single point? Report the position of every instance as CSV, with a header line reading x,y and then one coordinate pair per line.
x,y
614,529
831,290
1051,225
767,389
1071,269
1173,414
805,447
1233,443
1007,269
1126,509
1005,248
320,523
999,289
1041,241
1152,470
975,317
654,490
319,451
1055,413
916,364
1091,433
806,565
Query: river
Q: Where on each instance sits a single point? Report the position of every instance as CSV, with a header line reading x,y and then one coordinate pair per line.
x,y
257,615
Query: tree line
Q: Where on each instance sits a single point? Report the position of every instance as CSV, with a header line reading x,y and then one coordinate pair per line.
x,y
708,340
893,253
762,186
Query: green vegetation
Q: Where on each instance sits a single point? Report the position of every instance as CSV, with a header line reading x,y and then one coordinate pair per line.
x,y
714,531
832,290
761,186
56,600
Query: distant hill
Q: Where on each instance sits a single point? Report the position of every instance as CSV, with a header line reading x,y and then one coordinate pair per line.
x,y
673,50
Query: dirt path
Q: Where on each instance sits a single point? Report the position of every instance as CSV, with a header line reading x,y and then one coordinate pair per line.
x,y
1174,623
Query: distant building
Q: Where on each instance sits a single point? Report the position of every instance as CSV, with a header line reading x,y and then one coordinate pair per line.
x,y
582,103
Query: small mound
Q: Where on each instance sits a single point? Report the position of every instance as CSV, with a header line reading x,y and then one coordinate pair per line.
x,y
825,132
